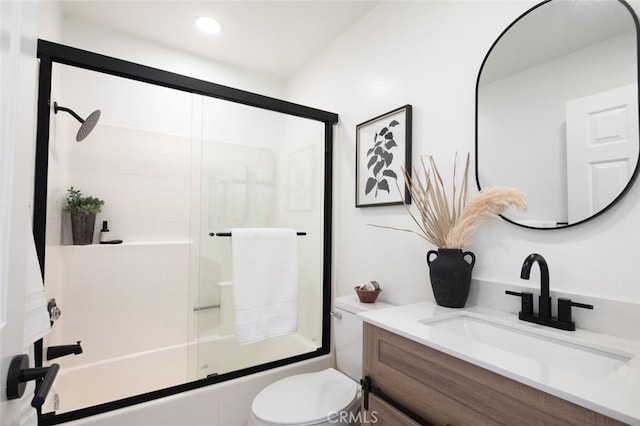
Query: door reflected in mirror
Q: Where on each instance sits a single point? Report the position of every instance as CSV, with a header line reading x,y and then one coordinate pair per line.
x,y
557,110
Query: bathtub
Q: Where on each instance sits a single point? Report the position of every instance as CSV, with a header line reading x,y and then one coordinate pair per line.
x,y
116,378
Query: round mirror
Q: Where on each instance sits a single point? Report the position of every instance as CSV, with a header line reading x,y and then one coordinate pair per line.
x,y
557,110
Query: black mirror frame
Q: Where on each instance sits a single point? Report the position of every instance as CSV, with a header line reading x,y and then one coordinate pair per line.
x,y
634,176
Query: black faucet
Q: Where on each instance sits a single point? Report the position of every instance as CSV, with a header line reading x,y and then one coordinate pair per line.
x,y
544,300
54,352
563,321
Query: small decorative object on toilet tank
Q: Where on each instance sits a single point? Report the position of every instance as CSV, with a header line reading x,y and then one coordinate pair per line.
x,y
368,293
371,285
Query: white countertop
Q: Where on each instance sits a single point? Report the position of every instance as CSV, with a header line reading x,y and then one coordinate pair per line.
x,y
616,395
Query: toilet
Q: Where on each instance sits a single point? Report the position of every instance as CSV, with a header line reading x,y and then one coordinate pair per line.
x,y
328,397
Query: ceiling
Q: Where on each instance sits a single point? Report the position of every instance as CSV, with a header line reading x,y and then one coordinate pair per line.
x,y
555,30
271,37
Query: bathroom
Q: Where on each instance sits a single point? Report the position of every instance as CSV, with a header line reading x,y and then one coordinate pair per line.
x,y
428,55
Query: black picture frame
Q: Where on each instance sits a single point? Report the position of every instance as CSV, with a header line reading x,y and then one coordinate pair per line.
x,y
383,149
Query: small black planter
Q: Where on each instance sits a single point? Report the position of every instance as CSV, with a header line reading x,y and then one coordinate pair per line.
x,y
450,275
82,226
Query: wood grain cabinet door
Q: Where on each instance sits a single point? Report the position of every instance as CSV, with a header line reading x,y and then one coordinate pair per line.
x,y
381,413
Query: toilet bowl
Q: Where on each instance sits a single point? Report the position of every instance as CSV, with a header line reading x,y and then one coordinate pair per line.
x,y
320,398
328,397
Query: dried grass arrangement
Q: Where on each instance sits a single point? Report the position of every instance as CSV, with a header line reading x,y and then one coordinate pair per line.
x,y
450,223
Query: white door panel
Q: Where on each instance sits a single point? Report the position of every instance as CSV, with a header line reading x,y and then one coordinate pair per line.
x,y
18,24
602,149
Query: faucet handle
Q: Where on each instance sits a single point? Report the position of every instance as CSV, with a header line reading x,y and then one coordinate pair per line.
x,y
527,301
564,308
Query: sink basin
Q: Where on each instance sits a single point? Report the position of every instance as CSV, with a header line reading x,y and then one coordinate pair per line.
x,y
512,346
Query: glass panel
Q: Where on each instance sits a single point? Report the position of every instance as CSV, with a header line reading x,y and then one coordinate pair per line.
x,y
258,169
170,167
126,303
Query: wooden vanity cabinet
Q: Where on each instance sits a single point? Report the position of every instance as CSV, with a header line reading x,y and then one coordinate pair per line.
x,y
439,389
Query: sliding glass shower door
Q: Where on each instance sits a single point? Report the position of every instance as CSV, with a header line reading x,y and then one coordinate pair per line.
x,y
179,162
258,168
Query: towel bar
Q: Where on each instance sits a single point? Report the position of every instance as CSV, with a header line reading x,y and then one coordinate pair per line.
x,y
228,234
204,307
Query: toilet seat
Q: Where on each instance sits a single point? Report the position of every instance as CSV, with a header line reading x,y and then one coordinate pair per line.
x,y
305,399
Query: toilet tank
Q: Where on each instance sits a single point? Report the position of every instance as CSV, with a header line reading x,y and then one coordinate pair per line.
x,y
347,329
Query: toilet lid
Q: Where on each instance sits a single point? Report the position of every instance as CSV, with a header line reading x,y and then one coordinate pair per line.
x,y
305,399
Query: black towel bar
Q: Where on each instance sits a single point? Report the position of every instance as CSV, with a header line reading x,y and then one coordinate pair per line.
x,y
228,234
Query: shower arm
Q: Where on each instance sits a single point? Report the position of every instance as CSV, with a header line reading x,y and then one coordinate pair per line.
x,y
57,108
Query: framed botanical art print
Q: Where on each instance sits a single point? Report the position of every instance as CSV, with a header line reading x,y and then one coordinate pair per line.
x,y
383,149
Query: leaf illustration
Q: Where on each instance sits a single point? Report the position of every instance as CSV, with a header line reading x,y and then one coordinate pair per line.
x,y
383,131
390,173
383,185
389,144
372,161
371,183
389,136
388,157
370,151
378,167
379,151
393,123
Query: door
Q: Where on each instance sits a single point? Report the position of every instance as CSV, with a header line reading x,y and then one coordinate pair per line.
x,y
602,149
17,138
381,413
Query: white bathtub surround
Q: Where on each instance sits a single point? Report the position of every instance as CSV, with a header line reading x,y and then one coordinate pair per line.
x,y
142,176
225,404
143,290
162,367
118,300
611,390
265,277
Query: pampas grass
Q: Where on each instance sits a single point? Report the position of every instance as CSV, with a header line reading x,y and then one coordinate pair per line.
x,y
450,223
489,202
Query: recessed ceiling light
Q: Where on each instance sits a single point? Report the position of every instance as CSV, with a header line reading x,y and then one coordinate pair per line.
x,y
208,25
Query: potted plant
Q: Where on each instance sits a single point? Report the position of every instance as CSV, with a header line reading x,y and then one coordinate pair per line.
x,y
448,224
83,212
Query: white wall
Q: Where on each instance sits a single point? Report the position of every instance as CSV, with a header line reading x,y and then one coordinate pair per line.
x,y
428,54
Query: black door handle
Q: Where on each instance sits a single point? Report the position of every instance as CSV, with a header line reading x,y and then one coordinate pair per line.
x,y
19,374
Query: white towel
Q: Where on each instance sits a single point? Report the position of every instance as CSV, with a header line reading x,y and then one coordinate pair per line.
x,y
36,315
36,324
265,283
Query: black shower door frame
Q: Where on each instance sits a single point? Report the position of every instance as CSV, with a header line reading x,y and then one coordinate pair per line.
x,y
50,53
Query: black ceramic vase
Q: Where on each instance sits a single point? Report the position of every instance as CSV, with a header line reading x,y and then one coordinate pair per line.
x,y
82,225
450,274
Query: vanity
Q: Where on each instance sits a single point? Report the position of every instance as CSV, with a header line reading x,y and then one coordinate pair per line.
x,y
425,364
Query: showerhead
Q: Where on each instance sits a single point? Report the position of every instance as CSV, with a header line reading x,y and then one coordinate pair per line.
x,y
86,126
